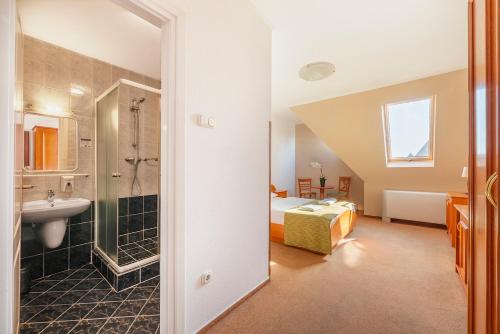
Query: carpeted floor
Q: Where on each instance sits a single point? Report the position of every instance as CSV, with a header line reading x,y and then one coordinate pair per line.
x,y
384,278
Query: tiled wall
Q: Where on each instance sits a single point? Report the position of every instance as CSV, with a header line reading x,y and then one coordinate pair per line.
x,y
126,280
138,218
74,252
149,141
49,73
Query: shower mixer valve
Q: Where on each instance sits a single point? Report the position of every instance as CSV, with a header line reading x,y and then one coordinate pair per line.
x,y
135,160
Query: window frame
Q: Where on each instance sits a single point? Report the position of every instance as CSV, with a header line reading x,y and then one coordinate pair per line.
x,y
427,161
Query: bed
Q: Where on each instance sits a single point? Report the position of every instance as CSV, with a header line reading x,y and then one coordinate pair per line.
x,y
317,231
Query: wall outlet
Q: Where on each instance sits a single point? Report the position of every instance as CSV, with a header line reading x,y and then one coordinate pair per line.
x,y
211,122
207,277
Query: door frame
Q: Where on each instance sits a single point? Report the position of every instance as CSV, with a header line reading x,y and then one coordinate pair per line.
x,y
7,105
170,18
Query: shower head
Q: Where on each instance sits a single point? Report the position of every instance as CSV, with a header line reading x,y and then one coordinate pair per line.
x,y
136,101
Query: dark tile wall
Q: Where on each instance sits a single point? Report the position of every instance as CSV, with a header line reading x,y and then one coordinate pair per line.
x,y
74,252
138,218
127,280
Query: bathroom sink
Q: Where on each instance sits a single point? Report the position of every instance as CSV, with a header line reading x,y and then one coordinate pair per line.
x,y
42,211
49,219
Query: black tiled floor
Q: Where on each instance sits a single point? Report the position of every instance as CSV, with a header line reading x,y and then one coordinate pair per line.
x,y
76,301
138,250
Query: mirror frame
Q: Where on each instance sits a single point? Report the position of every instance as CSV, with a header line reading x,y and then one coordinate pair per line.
x,y
31,112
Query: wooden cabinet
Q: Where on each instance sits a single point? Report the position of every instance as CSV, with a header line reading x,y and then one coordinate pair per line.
x,y
462,242
452,214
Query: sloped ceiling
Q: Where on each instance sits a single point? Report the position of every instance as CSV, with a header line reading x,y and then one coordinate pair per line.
x,y
372,43
95,28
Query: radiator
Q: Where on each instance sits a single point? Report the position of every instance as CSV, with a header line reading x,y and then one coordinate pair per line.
x,y
427,207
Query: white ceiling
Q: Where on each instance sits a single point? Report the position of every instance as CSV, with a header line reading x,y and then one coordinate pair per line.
x,y
372,43
95,28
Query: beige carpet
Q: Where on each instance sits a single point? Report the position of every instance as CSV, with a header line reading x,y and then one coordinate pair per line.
x,y
385,278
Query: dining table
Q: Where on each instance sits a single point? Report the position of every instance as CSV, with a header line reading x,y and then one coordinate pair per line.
x,y
322,190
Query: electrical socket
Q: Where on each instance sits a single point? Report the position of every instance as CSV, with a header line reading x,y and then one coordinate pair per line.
x,y
207,277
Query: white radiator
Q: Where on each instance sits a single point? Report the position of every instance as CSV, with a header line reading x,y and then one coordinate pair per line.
x,y
427,207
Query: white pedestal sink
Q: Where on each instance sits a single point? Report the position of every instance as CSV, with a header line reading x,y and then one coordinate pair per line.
x,y
49,220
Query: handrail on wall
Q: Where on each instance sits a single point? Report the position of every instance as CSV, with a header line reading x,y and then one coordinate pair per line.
x,y
58,174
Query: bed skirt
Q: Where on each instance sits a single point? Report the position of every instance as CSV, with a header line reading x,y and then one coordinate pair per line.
x,y
343,226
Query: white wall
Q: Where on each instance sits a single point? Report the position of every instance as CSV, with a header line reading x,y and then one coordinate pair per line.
x,y
227,76
283,153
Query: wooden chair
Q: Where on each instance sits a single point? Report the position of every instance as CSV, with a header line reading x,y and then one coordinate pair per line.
x,y
305,189
344,188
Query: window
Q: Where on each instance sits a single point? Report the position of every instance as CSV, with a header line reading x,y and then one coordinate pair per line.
x,y
409,133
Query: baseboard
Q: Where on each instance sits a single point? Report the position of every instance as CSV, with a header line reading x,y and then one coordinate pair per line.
x,y
415,223
240,301
362,213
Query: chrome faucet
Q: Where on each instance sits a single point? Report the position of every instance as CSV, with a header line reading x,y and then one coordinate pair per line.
x,y
50,197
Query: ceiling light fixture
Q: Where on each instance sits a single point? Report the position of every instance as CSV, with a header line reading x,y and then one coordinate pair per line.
x,y
54,110
76,91
317,71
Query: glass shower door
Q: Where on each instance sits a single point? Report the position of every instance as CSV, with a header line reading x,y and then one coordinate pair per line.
x,y
107,175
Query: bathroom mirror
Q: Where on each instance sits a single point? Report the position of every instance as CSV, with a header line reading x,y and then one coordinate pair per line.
x,y
50,143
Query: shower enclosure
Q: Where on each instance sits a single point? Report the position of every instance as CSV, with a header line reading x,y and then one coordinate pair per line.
x,y
127,134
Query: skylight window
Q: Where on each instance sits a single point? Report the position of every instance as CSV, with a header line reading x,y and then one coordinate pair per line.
x,y
409,133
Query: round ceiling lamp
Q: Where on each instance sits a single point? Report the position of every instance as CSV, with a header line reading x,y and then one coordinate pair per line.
x,y
317,71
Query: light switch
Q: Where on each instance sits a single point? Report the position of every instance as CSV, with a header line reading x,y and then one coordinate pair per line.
x,y
202,120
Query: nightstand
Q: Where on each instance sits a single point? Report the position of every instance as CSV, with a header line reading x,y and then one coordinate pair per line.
x,y
282,193
451,213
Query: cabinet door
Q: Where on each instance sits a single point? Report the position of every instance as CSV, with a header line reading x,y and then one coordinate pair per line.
x,y
484,143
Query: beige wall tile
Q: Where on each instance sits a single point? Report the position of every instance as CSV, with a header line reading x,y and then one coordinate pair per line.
x,y
34,71
82,104
118,73
50,72
58,76
34,49
152,82
81,71
136,77
41,97
101,77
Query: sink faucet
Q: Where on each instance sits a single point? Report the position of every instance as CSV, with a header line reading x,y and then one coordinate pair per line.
x,y
50,197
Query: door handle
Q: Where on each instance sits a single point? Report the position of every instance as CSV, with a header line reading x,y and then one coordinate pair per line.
x,y
489,186
116,175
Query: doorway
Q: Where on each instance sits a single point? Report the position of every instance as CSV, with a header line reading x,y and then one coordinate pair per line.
x,y
166,21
